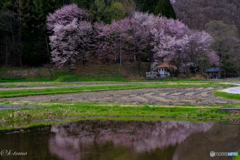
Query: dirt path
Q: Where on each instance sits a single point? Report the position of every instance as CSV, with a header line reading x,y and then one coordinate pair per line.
x,y
168,96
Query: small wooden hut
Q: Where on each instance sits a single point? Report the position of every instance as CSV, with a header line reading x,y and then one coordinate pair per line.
x,y
213,73
164,69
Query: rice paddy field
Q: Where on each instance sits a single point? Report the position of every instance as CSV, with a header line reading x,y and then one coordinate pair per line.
x,y
34,101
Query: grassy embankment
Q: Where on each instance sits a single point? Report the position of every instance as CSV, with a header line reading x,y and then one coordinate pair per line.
x,y
38,123
81,110
89,72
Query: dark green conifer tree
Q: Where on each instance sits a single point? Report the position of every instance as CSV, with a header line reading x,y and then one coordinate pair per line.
x,y
163,7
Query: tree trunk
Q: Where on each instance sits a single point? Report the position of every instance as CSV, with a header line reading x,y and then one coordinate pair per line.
x,y
149,65
83,60
69,66
49,55
120,52
139,68
139,65
20,56
150,62
6,58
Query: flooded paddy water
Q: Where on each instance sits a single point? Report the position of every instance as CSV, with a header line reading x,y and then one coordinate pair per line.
x,y
122,140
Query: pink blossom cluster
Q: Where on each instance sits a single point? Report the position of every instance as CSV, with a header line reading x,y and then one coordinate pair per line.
x,y
65,15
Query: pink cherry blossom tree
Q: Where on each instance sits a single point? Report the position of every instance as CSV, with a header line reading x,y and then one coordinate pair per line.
x,y
213,59
111,39
166,32
104,43
161,39
64,43
120,36
86,38
70,40
172,27
191,48
140,36
160,36
164,46
65,15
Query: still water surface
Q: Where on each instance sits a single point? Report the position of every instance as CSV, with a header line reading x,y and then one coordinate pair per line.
x,y
121,140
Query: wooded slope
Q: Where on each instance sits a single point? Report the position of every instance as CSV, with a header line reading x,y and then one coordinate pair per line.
x,y
196,13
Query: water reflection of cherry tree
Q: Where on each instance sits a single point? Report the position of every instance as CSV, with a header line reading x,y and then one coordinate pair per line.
x,y
74,140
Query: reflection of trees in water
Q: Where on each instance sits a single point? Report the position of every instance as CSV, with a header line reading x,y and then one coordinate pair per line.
x,y
73,140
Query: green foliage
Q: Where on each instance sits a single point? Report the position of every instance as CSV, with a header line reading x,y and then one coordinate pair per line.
x,y
1,5
163,7
99,9
160,9
129,6
38,14
82,3
6,4
28,46
107,10
116,12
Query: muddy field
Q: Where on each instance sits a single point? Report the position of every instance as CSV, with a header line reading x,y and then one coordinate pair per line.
x,y
166,96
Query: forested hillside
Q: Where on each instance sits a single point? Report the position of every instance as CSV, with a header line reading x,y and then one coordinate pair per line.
x,y
220,18
23,34
70,32
196,13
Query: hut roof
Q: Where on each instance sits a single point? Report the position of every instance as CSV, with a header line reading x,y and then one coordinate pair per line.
x,y
212,70
166,65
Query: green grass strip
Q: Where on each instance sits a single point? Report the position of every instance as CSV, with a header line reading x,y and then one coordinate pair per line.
x,y
84,109
42,123
28,117
42,84
219,93
29,92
